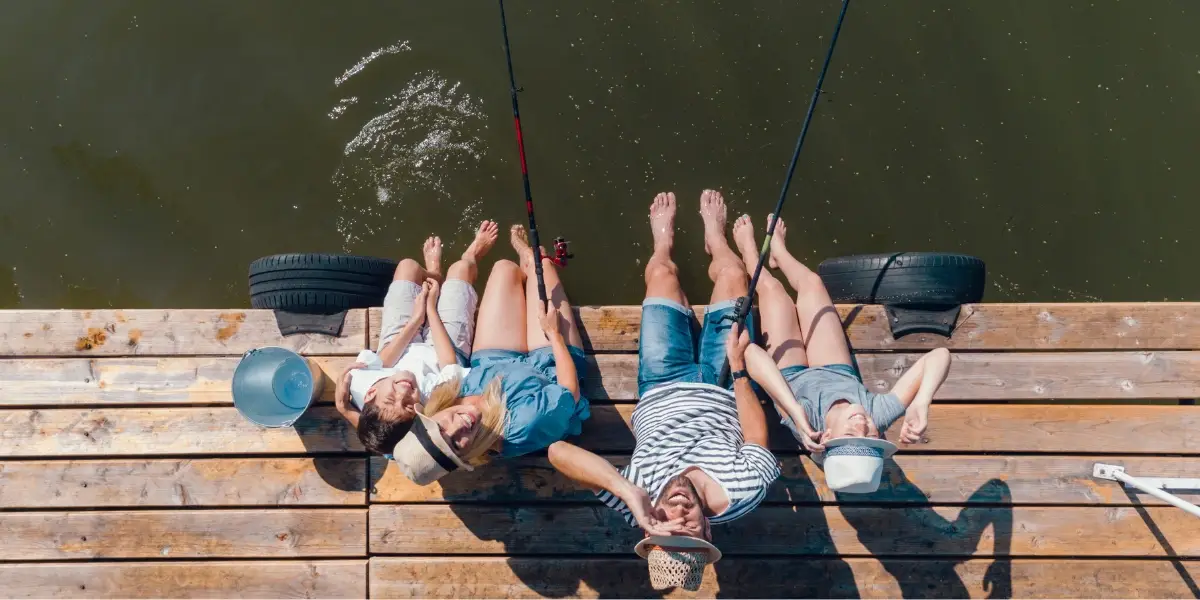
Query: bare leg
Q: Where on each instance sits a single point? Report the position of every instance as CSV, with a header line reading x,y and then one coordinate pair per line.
x,y
556,294
726,270
824,340
467,268
776,312
662,275
432,251
410,270
501,321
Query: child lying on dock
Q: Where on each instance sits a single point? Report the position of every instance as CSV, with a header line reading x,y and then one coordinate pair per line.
x,y
808,371
425,344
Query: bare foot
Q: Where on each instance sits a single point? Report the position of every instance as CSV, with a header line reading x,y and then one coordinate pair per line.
x,y
662,221
432,250
485,238
778,241
714,214
520,242
743,237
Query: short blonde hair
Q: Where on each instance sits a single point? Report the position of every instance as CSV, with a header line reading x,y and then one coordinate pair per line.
x,y
491,426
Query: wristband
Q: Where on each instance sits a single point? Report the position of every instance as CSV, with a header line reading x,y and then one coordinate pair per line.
x,y
742,374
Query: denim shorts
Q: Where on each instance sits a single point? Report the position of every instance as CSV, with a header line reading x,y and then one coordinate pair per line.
x,y
675,348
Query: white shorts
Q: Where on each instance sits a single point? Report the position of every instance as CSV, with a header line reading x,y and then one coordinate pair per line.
x,y
456,307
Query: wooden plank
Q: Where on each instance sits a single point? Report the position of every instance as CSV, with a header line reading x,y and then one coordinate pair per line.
x,y
162,332
1056,326
182,579
974,376
190,482
986,376
909,479
183,534
164,380
773,577
68,432
1107,429
816,531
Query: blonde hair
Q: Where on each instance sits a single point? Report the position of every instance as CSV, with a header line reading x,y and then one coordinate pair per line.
x,y
491,427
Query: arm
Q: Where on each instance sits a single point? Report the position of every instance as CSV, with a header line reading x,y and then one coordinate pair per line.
x,y
564,365
750,412
915,391
341,396
442,344
598,474
764,372
390,353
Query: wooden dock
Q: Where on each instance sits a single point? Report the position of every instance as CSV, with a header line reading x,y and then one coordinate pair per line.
x,y
126,472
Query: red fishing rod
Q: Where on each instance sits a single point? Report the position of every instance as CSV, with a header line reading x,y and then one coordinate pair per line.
x,y
561,252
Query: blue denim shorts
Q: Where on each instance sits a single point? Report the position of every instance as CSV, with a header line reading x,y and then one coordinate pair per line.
x,y
675,348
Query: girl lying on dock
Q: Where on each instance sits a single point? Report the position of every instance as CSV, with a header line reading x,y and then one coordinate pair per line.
x,y
425,343
808,371
522,391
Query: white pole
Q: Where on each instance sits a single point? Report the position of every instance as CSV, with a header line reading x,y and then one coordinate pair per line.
x,y
1174,500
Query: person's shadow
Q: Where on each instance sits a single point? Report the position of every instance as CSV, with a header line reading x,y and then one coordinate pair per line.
x,y
899,536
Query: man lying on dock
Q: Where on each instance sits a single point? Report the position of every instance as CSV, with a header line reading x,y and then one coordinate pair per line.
x,y
700,457
808,371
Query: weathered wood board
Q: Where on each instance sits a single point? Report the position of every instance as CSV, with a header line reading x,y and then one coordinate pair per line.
x,y
186,579
501,577
140,381
784,530
986,375
909,479
974,376
68,432
162,534
988,428
183,482
992,327
31,333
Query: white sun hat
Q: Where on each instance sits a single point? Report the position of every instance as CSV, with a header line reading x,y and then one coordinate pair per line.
x,y
854,465
676,560
423,455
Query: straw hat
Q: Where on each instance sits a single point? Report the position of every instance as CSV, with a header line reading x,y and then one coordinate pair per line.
x,y
854,465
423,455
676,560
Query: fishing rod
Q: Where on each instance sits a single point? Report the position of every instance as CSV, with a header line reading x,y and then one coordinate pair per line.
x,y
745,302
561,254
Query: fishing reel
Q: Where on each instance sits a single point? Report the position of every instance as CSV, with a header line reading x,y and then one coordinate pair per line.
x,y
562,252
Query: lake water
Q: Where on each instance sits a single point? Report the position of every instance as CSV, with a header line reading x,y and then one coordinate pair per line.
x,y
150,150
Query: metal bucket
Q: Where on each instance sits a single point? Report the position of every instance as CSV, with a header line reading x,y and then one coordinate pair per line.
x,y
272,387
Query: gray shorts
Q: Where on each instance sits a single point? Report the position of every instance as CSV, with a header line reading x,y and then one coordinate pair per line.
x,y
456,307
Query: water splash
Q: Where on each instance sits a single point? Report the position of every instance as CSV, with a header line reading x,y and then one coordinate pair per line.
x,y
426,135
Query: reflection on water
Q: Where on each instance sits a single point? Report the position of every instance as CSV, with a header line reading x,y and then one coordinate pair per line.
x,y
422,135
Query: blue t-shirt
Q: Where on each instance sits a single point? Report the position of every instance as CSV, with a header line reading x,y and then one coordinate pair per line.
x,y
540,412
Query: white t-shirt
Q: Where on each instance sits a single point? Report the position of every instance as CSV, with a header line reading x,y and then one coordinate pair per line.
x,y
420,358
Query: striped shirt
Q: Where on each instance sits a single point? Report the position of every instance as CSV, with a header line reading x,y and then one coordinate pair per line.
x,y
684,425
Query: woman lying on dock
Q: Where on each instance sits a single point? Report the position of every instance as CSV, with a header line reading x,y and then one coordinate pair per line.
x,y
425,342
522,391
808,371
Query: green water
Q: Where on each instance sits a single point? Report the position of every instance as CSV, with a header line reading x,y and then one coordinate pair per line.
x,y
149,150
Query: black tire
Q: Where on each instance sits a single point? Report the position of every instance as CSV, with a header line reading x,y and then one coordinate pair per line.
x,y
319,283
905,278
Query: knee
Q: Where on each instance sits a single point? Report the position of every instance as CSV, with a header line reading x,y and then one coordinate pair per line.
x,y
732,274
661,270
506,268
408,270
806,281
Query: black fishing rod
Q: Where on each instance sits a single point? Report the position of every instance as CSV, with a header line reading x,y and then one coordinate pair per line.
x,y
560,245
745,302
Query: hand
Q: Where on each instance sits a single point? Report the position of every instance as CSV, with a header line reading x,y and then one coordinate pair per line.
x,y
735,349
916,421
431,297
420,303
811,440
550,321
643,511
341,395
